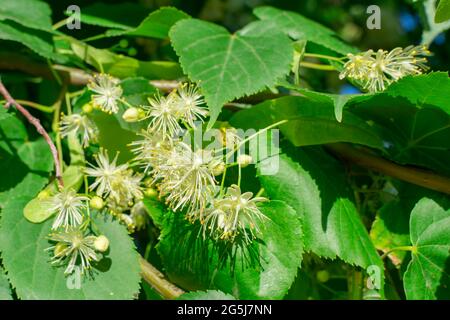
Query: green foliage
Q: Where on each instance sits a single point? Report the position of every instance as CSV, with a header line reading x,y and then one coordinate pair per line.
x,y
28,162
20,12
229,66
317,190
311,122
296,27
36,40
417,127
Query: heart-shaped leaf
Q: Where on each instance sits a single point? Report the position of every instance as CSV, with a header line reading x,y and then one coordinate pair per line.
x,y
229,66
428,273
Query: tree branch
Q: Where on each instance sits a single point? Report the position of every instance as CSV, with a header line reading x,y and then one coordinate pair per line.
x,y
80,77
40,129
156,279
409,174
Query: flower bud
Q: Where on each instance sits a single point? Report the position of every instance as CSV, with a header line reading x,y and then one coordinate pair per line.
x,y
123,43
218,169
323,276
96,203
87,108
101,243
244,160
133,115
151,193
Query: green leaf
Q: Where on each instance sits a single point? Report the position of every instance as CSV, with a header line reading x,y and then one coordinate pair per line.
x,y
339,101
428,273
391,226
5,288
265,270
428,90
390,230
415,118
156,25
297,27
29,13
155,210
28,162
443,11
311,122
228,66
122,16
316,187
117,17
206,295
23,246
38,41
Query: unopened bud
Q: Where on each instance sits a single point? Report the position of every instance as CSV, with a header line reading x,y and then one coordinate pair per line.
x,y
87,108
218,169
323,276
151,193
244,160
101,243
96,203
133,114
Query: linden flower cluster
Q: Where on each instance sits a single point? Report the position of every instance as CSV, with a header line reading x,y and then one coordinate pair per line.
x,y
185,177
377,70
74,245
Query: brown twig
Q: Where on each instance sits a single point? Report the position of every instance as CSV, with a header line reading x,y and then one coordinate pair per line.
x,y
409,174
156,279
80,77
40,129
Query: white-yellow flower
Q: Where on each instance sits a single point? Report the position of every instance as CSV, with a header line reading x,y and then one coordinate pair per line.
x,y
189,104
163,115
187,178
107,92
104,173
117,182
73,247
79,124
152,150
69,209
234,214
